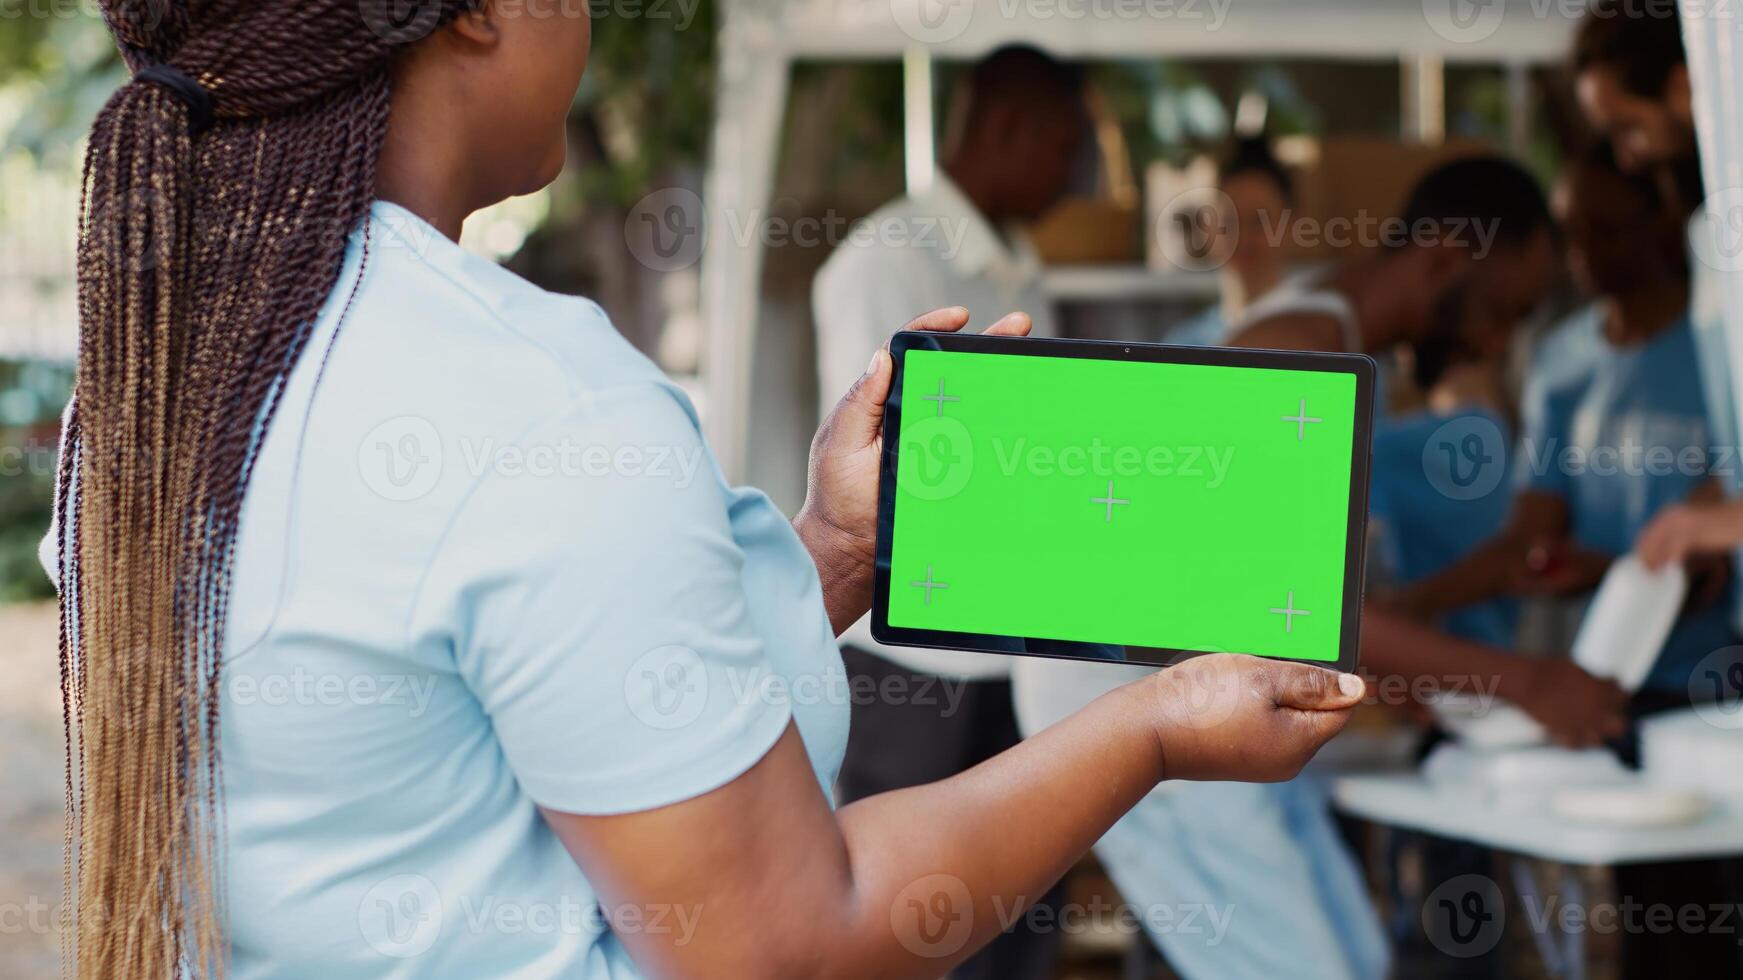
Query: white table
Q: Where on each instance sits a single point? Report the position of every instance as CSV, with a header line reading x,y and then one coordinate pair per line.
x,y
1408,801
1405,799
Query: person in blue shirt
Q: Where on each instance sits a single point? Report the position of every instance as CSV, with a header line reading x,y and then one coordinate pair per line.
x,y
1611,443
1439,484
411,630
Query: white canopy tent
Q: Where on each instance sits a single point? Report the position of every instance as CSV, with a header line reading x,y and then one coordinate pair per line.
x,y
761,39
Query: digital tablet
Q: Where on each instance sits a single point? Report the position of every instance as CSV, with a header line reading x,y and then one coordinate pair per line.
x,y
1122,502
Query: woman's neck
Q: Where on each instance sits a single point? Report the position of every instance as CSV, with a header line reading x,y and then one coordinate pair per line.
x,y
1638,316
430,177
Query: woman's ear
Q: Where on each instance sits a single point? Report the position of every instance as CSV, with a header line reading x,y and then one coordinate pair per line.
x,y
477,26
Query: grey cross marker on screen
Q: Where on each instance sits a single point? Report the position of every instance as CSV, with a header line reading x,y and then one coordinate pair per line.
x,y
1301,420
941,397
1109,502
1289,612
929,584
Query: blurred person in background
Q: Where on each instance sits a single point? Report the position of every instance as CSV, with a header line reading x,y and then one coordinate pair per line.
x,y
1258,201
1632,81
1571,519
1479,222
1479,226
1439,483
1631,78
1016,125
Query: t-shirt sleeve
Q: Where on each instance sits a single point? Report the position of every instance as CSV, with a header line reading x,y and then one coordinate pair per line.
x,y
1544,424
591,590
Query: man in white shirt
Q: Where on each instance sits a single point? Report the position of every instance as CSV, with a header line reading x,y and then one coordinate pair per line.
x,y
1017,123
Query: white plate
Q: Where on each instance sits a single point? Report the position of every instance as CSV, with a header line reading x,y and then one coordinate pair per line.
x,y
1630,806
1485,723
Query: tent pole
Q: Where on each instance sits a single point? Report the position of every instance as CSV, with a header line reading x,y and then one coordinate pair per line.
x,y
751,102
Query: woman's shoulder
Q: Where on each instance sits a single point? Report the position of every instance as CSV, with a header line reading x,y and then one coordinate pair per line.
x,y
428,314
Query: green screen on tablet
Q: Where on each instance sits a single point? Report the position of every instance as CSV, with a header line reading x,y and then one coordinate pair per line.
x,y
1163,504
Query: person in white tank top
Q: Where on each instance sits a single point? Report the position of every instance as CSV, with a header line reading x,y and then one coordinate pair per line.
x,y
1480,225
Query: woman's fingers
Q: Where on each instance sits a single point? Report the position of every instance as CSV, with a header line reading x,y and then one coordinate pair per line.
x,y
946,320
953,318
1012,325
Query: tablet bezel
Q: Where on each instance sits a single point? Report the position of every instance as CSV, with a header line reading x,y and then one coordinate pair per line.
x,y
1355,545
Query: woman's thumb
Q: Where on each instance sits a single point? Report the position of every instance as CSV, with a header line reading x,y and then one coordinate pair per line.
x,y
1316,688
861,413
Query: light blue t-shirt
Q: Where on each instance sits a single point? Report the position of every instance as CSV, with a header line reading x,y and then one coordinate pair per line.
x,y
486,563
1619,440
1439,490
1566,351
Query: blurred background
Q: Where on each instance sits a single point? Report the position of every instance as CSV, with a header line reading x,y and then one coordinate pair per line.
x,y
668,116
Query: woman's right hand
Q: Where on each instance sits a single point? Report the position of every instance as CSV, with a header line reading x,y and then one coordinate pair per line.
x,y
1233,717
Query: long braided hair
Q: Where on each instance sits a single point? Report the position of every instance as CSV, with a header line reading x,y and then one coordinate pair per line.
x,y
206,248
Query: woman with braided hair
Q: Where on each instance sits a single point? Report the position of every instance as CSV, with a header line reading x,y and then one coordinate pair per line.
x,y
408,628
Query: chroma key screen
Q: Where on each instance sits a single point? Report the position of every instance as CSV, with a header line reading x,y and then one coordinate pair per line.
x,y
1175,506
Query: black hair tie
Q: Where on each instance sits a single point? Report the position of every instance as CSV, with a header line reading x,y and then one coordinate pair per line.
x,y
183,87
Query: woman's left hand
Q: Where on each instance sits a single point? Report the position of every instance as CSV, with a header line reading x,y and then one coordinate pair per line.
x,y
839,520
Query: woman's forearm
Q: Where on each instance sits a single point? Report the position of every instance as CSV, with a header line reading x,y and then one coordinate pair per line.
x,y
904,884
908,883
938,870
